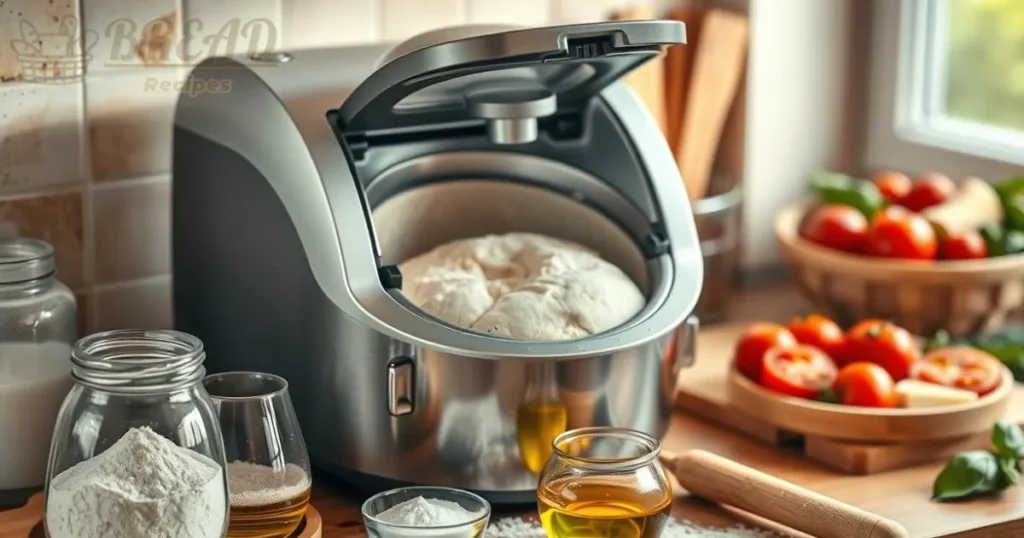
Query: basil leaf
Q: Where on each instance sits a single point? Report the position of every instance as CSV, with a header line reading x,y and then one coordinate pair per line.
x,y
829,396
1009,473
1008,439
968,474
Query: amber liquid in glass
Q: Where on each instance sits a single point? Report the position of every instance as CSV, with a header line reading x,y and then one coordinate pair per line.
x,y
276,519
602,507
537,425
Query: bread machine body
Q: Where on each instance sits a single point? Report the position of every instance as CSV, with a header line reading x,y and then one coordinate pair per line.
x,y
302,179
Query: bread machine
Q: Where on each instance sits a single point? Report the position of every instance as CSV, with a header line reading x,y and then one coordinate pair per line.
x,y
302,179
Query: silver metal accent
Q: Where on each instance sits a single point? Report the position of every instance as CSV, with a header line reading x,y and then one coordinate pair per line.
x,y
401,386
276,57
686,344
512,114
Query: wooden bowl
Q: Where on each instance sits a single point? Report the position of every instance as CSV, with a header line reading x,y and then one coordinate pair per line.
x,y
962,297
869,424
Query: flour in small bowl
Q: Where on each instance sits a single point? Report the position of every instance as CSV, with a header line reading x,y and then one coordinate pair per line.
x,y
143,485
423,512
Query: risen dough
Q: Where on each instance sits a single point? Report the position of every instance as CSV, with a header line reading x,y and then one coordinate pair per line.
x,y
523,286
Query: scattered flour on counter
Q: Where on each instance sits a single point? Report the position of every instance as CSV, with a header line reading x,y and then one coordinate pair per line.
x,y
423,512
514,527
143,485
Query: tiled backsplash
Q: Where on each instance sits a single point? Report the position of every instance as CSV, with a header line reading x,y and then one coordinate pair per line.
x,y
85,160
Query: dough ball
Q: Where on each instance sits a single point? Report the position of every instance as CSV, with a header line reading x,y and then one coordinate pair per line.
x,y
523,286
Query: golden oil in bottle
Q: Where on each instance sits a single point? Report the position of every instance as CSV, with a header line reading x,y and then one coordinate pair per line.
x,y
602,507
537,425
540,417
265,505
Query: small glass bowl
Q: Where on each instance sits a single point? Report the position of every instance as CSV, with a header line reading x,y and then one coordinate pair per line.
x,y
474,528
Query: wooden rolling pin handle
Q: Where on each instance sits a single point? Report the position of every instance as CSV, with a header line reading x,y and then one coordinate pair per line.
x,y
724,481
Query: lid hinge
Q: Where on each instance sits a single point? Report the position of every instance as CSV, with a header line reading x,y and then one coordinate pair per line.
x,y
590,47
655,243
357,146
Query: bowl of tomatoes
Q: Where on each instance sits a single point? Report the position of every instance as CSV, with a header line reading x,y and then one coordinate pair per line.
x,y
875,381
928,253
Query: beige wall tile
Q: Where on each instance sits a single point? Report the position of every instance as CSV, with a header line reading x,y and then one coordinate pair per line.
x,y
327,23
225,27
519,12
131,227
406,18
36,28
129,117
144,304
40,137
130,33
57,219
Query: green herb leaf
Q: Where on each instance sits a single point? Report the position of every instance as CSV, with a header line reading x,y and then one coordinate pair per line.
x,y
829,396
861,194
939,340
968,474
1009,472
1008,438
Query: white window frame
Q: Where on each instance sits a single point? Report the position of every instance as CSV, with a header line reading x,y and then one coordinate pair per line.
x,y
901,132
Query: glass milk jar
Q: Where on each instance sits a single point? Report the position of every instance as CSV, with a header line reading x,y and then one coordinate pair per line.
x,y
137,450
38,325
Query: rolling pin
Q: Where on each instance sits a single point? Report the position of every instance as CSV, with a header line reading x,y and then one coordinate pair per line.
x,y
721,480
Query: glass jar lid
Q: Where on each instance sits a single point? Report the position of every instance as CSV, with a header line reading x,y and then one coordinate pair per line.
x,y
138,361
22,260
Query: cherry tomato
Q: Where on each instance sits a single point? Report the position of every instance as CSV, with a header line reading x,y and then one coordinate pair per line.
x,y
928,190
893,185
969,246
755,342
882,343
865,384
836,226
818,331
960,367
898,233
801,371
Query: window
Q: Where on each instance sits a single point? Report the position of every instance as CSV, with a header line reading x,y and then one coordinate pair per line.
x,y
947,87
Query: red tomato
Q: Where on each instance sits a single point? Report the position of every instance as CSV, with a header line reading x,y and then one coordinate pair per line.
x,y
893,185
801,371
882,343
969,246
836,226
961,367
898,233
928,190
755,342
866,385
818,331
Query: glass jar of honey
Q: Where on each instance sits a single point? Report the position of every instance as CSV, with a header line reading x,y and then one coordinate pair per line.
x,y
604,482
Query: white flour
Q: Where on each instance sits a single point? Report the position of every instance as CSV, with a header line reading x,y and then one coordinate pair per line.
x,y
251,484
423,512
143,485
514,527
34,379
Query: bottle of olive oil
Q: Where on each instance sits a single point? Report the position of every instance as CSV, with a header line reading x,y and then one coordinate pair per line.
x,y
540,417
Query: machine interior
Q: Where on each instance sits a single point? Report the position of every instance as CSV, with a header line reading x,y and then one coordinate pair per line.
x,y
416,220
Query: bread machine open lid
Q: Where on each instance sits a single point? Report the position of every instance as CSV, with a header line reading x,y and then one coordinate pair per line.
x,y
435,82
477,73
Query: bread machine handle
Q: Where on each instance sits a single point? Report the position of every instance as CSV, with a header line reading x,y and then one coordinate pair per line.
x,y
686,344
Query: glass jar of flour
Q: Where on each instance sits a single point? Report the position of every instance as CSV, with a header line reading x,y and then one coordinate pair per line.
x,y
137,450
38,325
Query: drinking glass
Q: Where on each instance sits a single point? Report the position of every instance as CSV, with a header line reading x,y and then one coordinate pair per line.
x,y
269,477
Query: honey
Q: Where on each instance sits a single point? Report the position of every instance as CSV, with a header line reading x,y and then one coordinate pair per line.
x,y
537,425
602,507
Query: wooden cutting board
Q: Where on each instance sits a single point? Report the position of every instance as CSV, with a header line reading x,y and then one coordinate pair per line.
x,y
679,71
27,521
703,391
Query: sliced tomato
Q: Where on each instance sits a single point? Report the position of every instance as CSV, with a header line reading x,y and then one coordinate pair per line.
x,y
801,371
818,331
960,367
755,342
865,384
